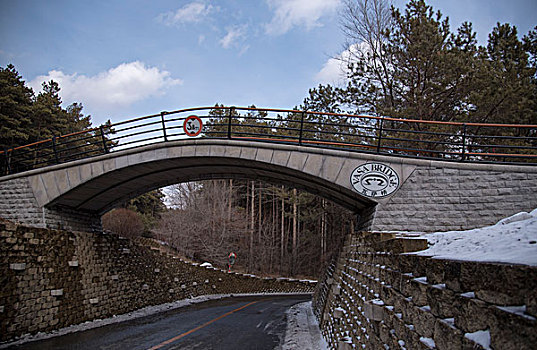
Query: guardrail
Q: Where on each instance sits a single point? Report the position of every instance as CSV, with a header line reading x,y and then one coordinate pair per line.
x,y
452,141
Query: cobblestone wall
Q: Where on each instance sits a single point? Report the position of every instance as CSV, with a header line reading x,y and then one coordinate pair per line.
x,y
51,279
377,298
444,199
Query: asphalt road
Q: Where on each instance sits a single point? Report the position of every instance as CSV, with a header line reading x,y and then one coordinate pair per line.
x,y
231,323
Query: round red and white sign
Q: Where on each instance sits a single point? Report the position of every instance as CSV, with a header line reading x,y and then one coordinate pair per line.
x,y
193,125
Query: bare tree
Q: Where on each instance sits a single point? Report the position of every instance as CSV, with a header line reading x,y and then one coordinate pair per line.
x,y
365,24
124,222
201,225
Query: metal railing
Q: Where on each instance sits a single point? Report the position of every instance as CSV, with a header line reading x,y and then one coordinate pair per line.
x,y
451,141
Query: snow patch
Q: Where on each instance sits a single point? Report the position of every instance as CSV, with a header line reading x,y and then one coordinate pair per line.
x,y
518,310
480,337
428,342
303,329
512,240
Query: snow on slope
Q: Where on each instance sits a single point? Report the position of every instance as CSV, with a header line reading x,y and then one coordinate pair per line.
x,y
512,240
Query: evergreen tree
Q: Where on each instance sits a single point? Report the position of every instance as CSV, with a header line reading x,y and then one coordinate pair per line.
x,y
506,87
48,117
150,206
15,108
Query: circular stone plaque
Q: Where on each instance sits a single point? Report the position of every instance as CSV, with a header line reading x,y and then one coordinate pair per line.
x,y
374,180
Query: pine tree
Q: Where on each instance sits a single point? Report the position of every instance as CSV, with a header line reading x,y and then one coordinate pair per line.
x,y
15,108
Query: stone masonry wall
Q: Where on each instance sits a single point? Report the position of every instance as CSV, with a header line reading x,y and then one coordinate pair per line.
x,y
52,279
18,203
444,199
378,298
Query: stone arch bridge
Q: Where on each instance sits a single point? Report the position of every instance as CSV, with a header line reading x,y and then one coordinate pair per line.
x,y
387,192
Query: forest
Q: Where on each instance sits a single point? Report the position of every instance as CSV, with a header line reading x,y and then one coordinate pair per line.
x,y
404,63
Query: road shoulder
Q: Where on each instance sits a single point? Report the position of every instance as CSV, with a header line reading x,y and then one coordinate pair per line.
x,y
302,329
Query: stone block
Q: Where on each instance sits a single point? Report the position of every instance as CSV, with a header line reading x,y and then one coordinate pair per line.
x,y
297,160
56,292
280,157
94,301
531,303
435,271
203,150
338,312
73,263
18,266
109,165
97,168
336,289
472,315
441,301
446,336
314,164
418,292
331,168
511,329
233,151
264,155
401,245
373,310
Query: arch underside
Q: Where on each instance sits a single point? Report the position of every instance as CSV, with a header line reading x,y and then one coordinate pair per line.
x,y
107,191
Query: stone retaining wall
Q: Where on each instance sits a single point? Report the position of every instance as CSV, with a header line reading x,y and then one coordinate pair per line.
x,y
378,298
52,279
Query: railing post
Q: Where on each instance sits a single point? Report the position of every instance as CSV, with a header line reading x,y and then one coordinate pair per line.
x,y
230,117
380,134
55,150
463,153
103,139
162,114
301,128
8,166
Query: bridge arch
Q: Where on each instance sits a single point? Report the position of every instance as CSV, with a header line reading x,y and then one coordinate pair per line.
x,y
101,184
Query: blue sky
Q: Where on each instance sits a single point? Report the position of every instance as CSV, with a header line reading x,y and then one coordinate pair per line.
x,y
123,59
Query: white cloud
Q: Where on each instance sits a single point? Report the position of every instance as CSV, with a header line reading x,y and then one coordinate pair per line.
x,y
234,35
291,13
190,13
117,87
335,70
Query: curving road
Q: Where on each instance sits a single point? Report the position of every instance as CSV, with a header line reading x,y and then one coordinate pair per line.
x,y
231,323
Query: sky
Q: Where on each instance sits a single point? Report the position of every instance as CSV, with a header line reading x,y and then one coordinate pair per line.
x,y
123,59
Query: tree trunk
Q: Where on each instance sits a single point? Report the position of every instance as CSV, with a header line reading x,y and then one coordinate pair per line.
x,y
252,223
282,233
295,231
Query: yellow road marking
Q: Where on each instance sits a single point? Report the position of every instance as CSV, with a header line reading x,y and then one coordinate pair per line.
x,y
169,341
